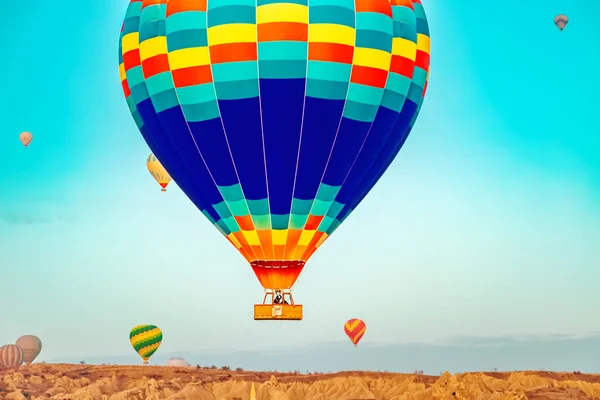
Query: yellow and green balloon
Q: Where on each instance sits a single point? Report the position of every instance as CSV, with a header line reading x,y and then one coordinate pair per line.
x,y
145,339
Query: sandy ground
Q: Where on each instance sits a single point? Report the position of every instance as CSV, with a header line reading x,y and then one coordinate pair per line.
x,y
112,382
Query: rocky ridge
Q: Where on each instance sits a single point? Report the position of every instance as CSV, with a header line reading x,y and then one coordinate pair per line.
x,y
77,382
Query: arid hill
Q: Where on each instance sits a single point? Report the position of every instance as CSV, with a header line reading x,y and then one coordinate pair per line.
x,y
111,382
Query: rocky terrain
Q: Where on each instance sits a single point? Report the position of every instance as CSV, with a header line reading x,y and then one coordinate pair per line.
x,y
112,382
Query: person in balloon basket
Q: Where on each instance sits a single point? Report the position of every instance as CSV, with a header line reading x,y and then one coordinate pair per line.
x,y
278,299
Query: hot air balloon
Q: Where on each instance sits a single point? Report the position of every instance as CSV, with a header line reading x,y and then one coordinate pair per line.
x,y
158,172
177,362
355,329
274,126
31,345
25,138
145,339
561,21
11,356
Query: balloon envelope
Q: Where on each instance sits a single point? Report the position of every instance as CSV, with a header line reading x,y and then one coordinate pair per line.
x,y
561,21
177,362
11,356
275,127
158,172
145,339
355,330
25,138
31,345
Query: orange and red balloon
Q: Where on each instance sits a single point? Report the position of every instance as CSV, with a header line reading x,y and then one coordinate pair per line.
x,y
355,329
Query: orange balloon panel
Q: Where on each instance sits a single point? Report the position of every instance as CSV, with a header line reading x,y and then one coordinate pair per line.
x,y
277,274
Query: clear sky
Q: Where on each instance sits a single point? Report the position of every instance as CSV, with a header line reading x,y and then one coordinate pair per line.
x,y
497,227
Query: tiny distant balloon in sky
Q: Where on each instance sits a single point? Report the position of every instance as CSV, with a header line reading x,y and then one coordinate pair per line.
x,y
561,21
355,329
158,172
11,356
31,345
26,138
145,339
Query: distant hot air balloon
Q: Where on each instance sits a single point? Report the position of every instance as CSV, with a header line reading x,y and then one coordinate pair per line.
x,y
158,172
145,339
561,21
177,362
355,329
26,138
11,356
31,345
276,129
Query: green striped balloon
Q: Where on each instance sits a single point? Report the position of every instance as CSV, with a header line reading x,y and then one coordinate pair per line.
x,y
145,339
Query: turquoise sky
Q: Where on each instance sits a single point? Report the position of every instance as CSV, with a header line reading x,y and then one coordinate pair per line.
x,y
495,198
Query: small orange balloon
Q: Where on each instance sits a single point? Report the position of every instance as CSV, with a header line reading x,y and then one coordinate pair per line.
x,y
26,138
355,329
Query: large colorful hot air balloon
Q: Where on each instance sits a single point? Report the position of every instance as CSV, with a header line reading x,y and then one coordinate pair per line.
x,y
145,339
11,356
355,329
25,138
31,345
158,172
561,21
275,124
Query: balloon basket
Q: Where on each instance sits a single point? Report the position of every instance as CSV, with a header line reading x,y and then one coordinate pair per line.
x,y
277,312
270,311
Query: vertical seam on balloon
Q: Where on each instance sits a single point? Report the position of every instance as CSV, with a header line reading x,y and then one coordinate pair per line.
x,y
401,142
221,118
301,132
418,109
227,139
225,135
126,71
144,79
371,127
158,119
262,133
165,133
176,89
338,128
